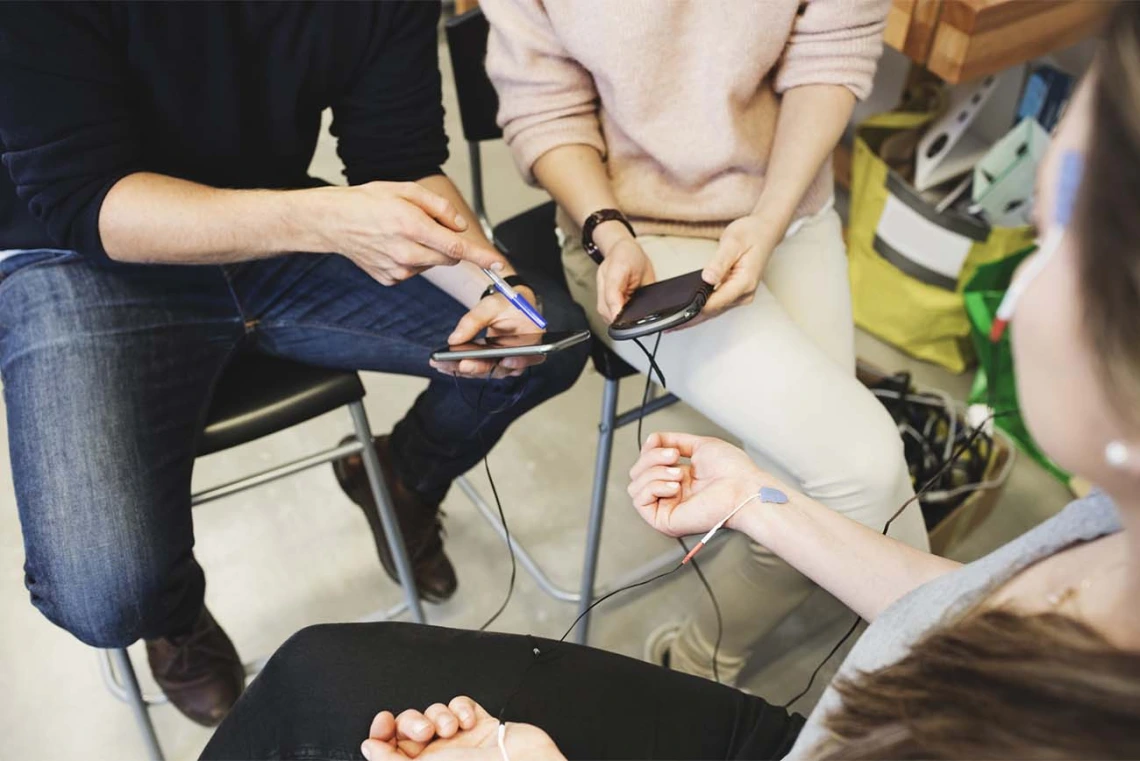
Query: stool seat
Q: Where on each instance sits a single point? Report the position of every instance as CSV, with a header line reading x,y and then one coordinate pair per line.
x,y
529,241
259,395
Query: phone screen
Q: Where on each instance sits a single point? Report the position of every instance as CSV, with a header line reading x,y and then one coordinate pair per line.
x,y
664,298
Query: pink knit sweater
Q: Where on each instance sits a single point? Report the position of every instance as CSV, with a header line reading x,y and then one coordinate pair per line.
x,y
681,96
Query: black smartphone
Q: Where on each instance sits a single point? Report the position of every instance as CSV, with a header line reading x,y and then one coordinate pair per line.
x,y
521,345
661,306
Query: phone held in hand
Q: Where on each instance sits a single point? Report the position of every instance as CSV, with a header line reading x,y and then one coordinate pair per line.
x,y
661,306
519,345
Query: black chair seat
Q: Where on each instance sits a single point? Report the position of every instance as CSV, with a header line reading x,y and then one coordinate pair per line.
x,y
259,395
529,241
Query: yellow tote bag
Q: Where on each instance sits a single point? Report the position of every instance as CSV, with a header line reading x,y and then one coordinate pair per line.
x,y
908,262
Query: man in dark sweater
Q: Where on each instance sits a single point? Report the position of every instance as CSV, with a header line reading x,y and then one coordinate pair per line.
x,y
155,192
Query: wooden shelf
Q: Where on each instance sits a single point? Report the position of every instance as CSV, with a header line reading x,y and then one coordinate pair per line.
x,y
962,40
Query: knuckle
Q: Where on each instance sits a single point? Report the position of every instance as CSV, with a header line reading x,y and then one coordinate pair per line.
x,y
456,248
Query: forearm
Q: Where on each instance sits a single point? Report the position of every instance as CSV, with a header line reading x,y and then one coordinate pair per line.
x,y
866,570
811,121
576,178
153,218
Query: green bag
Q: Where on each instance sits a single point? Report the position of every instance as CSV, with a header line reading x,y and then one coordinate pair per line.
x,y
995,383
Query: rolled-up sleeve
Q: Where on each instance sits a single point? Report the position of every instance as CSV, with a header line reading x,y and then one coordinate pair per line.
x,y
389,123
834,42
67,130
546,99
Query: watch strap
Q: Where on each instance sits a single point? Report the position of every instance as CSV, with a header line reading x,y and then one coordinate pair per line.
x,y
595,219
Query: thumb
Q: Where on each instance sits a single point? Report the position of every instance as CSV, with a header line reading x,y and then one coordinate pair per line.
x,y
377,750
474,321
727,252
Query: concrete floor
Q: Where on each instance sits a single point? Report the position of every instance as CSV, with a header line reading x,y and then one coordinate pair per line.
x,y
298,552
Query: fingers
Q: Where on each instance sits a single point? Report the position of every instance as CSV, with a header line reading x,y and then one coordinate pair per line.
x,y
725,258
413,725
466,711
435,205
456,247
685,443
383,726
446,723
651,458
376,750
659,482
612,287
472,323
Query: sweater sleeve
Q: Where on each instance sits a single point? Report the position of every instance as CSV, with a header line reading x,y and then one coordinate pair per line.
x,y
834,42
546,98
389,122
67,130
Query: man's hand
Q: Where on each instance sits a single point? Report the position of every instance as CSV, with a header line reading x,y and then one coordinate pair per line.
x,y
500,318
460,731
396,230
678,498
738,265
625,268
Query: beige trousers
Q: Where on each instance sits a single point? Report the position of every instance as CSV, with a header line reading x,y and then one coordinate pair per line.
x,y
779,375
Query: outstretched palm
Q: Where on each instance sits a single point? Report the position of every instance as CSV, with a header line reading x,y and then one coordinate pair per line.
x,y
681,498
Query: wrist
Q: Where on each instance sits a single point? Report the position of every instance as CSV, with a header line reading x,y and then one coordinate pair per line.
x,y
776,214
757,518
609,234
306,221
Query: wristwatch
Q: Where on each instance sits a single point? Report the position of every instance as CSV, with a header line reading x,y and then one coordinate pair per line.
x,y
514,281
595,219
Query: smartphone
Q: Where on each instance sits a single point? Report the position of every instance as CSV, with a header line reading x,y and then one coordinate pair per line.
x,y
521,345
660,306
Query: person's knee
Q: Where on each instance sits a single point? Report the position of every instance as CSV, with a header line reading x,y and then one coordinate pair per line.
x,y
867,476
105,615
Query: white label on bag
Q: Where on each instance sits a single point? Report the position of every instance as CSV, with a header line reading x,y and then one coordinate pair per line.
x,y
920,240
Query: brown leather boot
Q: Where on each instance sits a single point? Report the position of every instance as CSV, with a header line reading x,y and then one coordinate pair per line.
x,y
200,672
419,522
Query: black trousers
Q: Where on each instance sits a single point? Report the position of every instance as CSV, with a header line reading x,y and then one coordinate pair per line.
x,y
317,695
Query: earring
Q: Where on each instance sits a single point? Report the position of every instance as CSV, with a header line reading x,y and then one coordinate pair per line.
x,y
1116,454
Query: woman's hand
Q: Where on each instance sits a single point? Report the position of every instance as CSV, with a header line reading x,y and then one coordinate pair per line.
x,y
460,731
738,265
500,318
679,498
625,268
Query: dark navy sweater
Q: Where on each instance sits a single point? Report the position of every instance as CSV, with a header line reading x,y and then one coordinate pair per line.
x,y
226,94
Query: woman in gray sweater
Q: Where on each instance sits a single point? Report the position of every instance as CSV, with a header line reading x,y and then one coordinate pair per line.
x,y
1033,651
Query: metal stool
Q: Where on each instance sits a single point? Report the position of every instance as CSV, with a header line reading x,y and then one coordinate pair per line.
x,y
529,240
259,395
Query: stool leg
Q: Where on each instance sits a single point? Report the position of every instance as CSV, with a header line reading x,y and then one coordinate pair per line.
x,y
122,663
384,507
597,505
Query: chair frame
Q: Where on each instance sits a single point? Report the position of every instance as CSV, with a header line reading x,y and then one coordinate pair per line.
x,y
115,665
610,421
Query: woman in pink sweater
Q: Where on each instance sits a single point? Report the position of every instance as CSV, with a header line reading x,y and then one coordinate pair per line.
x,y
709,126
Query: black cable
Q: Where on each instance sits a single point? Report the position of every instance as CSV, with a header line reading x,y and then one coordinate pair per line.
x,y
716,610
491,480
655,368
886,528
608,595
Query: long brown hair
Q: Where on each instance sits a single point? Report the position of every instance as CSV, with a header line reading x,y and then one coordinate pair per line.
x,y
1107,219
999,684
995,685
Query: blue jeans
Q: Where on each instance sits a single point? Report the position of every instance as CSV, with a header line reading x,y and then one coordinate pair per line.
x,y
108,372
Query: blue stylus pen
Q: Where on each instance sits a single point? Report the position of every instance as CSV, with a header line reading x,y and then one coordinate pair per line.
x,y
513,296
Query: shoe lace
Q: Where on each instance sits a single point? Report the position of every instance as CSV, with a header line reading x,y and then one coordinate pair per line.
x,y
196,643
